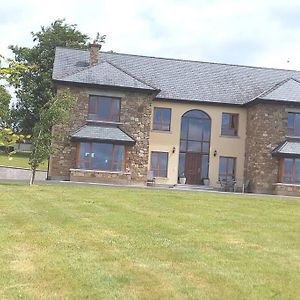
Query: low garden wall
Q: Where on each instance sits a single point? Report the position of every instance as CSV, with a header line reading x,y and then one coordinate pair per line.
x,y
20,173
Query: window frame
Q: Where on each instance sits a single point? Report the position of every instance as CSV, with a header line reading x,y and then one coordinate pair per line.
x,y
158,169
89,160
160,127
281,173
227,167
293,129
225,130
111,108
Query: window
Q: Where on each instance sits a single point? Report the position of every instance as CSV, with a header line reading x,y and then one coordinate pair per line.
x,y
227,168
100,156
289,170
230,124
103,108
293,124
159,163
162,118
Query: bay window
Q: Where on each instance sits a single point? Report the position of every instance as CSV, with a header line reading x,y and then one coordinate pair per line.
x,y
289,171
101,156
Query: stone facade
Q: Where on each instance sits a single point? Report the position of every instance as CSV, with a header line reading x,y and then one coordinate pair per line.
x,y
287,189
135,119
266,128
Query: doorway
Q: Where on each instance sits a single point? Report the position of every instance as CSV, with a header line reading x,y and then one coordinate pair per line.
x,y
194,146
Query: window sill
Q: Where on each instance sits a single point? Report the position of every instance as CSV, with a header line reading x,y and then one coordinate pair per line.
x,y
161,131
286,184
104,122
100,171
230,136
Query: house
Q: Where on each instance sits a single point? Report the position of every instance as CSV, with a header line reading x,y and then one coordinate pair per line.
x,y
204,120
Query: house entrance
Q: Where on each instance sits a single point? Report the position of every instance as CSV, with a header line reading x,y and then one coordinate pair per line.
x,y
194,146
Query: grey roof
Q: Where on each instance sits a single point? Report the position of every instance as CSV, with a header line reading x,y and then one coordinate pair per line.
x,y
175,79
287,148
106,74
287,90
102,133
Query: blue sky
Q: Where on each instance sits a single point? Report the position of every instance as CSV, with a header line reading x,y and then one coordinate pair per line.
x,y
261,33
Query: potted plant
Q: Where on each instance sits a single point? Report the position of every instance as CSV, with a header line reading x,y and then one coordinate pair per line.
x,y
182,178
206,181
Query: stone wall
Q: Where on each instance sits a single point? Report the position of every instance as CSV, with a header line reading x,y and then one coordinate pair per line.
x,y
266,128
287,189
100,176
135,120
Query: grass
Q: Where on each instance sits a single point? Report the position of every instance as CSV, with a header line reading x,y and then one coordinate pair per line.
x,y
20,159
75,242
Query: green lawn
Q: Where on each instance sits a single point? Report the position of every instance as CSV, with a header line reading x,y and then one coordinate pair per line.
x,y
76,242
20,159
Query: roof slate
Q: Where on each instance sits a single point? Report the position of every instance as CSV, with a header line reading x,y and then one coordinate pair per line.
x,y
288,148
288,90
175,79
102,133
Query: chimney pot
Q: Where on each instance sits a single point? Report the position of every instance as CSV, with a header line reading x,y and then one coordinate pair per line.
x,y
94,53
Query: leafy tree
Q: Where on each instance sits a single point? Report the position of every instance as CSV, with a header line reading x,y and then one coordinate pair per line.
x,y
5,98
8,137
56,111
34,86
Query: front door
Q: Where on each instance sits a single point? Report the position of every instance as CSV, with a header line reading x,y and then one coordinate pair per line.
x,y
193,168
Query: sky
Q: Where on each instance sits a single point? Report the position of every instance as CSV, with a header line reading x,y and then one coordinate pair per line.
x,y
258,32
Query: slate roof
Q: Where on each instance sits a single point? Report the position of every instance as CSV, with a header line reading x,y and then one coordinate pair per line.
x,y
288,148
175,79
102,133
287,90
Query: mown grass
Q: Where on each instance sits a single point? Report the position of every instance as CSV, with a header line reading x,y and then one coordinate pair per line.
x,y
19,159
75,242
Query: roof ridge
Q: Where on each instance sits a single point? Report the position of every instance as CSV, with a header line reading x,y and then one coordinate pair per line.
x,y
134,77
186,60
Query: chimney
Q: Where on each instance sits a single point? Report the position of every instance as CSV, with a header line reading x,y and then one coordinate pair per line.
x,y
94,53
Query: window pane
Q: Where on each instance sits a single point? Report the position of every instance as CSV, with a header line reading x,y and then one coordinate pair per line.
x,y
195,130
102,156
154,161
205,147
230,167
84,151
297,125
115,110
184,128
288,166
222,166
181,169
196,114
183,145
297,171
163,164
119,156
93,105
291,120
104,108
166,117
194,146
204,166
156,120
206,130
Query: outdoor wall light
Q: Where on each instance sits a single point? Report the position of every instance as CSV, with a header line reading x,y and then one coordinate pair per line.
x,y
174,149
215,153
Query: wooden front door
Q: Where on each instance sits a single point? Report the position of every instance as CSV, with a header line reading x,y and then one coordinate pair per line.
x,y
193,168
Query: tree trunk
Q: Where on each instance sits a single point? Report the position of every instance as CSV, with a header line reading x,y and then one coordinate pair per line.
x,y
32,176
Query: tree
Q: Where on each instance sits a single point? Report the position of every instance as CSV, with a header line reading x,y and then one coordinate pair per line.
x,y
8,137
55,112
34,86
5,98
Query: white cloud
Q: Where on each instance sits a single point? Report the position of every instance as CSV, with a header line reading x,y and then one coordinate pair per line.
x,y
264,33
